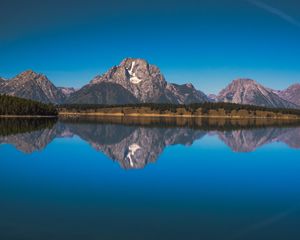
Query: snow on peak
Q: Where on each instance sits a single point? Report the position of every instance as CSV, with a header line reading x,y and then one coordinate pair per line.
x,y
133,78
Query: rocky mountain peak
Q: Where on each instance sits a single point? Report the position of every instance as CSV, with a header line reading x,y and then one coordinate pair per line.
x,y
30,74
138,69
244,83
248,91
32,85
140,78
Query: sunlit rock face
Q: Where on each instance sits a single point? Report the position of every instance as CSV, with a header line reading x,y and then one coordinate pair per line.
x,y
248,91
143,80
148,85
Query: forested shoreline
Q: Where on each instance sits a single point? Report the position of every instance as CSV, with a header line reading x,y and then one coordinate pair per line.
x,y
198,109
15,106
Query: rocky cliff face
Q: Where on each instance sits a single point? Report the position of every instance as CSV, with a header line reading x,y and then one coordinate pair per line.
x,y
138,77
291,94
247,91
33,86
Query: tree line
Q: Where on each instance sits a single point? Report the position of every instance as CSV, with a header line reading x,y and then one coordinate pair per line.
x,y
10,105
161,107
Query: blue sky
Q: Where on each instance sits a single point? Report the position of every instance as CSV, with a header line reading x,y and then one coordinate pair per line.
x,y
208,43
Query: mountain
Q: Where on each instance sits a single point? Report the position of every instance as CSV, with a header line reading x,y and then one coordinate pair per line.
x,y
146,83
212,97
67,91
143,80
34,86
247,91
291,94
186,94
102,93
134,80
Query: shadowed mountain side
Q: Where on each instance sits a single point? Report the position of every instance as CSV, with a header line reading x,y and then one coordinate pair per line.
x,y
102,93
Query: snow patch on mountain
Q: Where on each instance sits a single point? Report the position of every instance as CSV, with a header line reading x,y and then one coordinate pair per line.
x,y
133,78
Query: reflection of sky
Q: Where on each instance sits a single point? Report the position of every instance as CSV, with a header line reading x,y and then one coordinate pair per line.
x,y
202,187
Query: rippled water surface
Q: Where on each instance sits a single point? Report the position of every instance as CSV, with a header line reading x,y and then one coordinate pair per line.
x,y
149,179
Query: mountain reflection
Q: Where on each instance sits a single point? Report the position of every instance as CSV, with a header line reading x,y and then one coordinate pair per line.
x,y
136,142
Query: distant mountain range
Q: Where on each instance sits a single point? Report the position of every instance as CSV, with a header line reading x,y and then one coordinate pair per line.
x,y
137,81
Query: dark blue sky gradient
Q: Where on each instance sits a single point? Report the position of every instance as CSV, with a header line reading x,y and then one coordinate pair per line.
x,y
208,43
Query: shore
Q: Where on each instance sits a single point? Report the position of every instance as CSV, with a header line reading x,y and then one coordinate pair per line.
x,y
156,115
27,116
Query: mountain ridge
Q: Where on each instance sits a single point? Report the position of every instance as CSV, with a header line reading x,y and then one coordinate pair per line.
x,y
135,80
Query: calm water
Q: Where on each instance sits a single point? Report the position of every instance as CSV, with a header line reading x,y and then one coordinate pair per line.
x,y
95,179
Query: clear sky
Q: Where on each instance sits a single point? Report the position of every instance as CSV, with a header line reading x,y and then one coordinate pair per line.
x,y
206,42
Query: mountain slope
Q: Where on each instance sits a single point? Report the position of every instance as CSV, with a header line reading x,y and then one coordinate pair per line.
x,y
247,91
186,94
34,86
291,94
102,93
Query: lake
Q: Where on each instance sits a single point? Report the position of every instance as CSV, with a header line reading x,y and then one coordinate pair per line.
x,y
112,178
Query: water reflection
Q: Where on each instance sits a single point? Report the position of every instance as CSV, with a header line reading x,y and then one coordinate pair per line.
x,y
136,142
